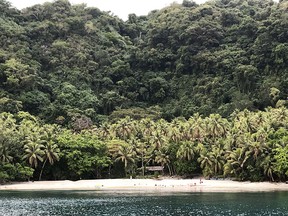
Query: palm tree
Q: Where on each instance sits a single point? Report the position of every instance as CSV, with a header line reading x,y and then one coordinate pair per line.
x,y
148,126
242,122
230,142
104,131
179,126
124,128
206,163
113,147
4,154
51,152
175,135
217,159
162,127
137,130
260,119
268,168
142,151
163,159
236,161
279,116
126,155
217,126
139,148
255,149
186,151
33,153
196,123
157,140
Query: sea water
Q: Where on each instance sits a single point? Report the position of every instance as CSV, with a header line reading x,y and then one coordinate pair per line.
x,y
34,203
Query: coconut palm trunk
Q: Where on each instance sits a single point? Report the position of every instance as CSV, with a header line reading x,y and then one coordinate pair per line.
x,y
41,172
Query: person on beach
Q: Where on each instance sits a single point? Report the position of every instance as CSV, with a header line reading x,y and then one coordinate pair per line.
x,y
201,181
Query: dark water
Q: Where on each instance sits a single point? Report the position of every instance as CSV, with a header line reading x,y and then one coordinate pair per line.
x,y
95,203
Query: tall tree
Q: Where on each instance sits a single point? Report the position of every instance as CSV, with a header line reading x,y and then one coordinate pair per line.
x,y
51,154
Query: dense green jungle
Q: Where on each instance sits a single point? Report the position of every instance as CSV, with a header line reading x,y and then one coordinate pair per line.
x,y
197,89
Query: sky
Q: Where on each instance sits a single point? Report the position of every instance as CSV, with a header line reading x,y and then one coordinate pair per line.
x,y
121,8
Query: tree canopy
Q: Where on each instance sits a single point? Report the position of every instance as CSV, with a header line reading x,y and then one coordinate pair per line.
x,y
193,88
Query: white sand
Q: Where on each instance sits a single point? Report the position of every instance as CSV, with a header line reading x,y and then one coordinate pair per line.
x,y
149,185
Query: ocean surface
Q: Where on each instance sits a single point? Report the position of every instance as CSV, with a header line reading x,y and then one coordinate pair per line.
x,y
90,203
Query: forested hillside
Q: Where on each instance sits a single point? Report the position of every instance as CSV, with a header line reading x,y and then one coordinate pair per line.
x,y
60,60
70,74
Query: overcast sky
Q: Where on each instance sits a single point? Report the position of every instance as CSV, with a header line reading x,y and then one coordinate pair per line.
x,y
120,8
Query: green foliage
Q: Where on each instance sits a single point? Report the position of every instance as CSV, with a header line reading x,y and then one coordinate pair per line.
x,y
84,154
135,113
17,172
185,167
59,60
246,146
203,68
281,161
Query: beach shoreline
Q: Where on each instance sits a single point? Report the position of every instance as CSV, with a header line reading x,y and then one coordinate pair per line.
x,y
150,185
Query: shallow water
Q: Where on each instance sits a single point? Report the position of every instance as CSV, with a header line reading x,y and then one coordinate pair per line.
x,y
96,203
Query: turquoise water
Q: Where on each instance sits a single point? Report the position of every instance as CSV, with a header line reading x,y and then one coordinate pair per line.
x,y
132,204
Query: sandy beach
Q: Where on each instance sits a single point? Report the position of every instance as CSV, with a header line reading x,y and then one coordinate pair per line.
x,y
150,185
